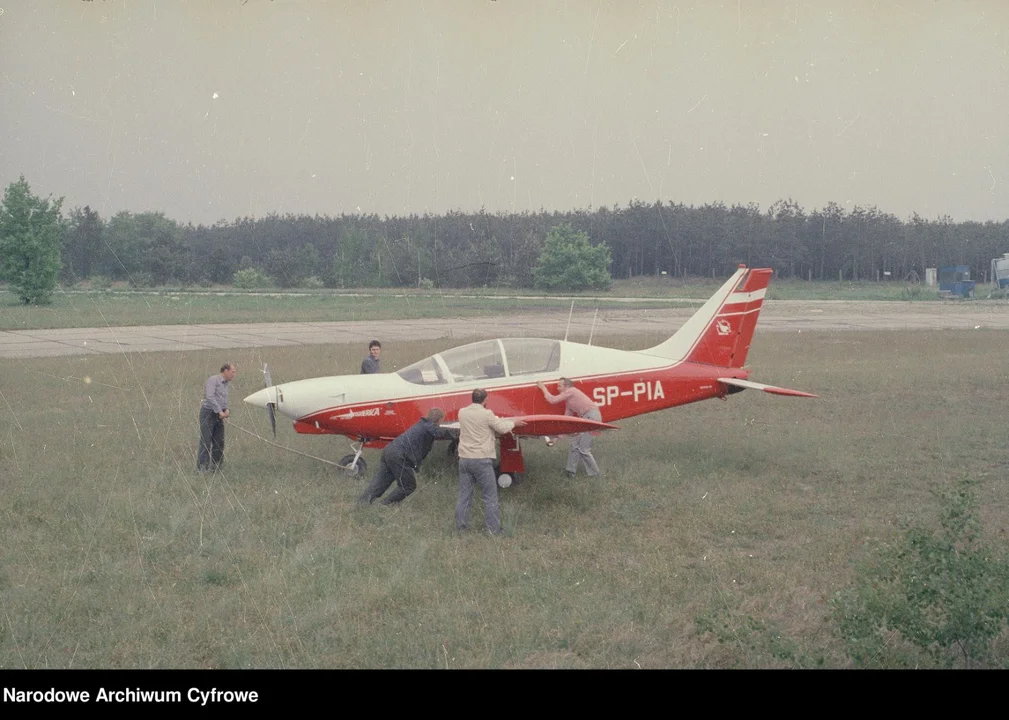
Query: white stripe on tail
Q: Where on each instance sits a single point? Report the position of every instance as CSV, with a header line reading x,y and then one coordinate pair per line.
x,y
720,332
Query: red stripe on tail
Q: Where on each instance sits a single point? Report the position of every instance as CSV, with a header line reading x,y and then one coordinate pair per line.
x,y
726,340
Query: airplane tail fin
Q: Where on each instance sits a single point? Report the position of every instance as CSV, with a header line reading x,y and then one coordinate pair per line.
x,y
720,332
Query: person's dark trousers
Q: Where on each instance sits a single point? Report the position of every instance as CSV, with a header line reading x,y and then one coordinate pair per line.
x,y
211,441
394,468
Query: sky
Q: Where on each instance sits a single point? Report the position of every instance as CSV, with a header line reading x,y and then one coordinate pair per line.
x,y
212,110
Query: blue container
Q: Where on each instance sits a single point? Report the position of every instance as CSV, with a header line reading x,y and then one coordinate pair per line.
x,y
963,288
956,280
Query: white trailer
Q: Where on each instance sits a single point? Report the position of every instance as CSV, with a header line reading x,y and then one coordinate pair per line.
x,y
1000,271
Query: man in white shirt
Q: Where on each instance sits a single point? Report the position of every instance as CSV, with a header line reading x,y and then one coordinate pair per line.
x,y
478,431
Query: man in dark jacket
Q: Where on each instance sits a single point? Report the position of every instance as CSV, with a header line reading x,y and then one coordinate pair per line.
x,y
402,458
372,363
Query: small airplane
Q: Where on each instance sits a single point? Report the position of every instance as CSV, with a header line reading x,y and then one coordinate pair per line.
x,y
702,360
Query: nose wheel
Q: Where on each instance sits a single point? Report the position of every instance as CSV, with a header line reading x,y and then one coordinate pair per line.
x,y
354,465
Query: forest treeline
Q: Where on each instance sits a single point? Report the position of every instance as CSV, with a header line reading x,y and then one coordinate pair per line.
x,y
474,249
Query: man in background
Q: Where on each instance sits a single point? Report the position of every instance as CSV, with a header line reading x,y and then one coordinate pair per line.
x,y
372,363
213,413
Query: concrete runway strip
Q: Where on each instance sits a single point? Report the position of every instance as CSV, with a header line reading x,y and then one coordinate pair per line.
x,y
776,316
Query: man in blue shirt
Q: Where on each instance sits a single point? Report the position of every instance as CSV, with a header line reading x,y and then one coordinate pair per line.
x,y
213,413
402,458
371,363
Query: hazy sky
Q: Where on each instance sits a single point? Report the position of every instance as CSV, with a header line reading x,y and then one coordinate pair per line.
x,y
215,109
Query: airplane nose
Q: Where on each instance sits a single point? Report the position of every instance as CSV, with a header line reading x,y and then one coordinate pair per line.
x,y
262,398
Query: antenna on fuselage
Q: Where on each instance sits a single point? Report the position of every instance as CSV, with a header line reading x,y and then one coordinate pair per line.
x,y
593,330
568,328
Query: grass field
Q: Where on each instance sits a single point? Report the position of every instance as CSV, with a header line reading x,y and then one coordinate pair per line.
x,y
716,537
119,309
226,305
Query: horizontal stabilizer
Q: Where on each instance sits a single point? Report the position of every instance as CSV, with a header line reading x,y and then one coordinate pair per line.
x,y
536,425
766,388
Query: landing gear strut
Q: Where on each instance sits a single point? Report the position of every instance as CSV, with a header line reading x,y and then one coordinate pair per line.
x,y
354,465
512,467
510,471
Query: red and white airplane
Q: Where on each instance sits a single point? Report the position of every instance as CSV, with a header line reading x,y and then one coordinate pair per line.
x,y
702,360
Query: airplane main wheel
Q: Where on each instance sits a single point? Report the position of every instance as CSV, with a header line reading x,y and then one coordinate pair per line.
x,y
354,469
508,479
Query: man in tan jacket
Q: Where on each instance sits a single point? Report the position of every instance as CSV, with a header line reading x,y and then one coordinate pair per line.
x,y
478,431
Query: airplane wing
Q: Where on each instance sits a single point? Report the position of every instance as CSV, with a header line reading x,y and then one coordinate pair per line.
x,y
553,425
550,425
766,388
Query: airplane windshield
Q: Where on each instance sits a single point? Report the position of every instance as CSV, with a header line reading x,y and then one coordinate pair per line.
x,y
475,361
484,360
532,355
424,372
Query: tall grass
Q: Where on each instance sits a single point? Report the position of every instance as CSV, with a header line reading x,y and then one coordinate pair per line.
x,y
715,538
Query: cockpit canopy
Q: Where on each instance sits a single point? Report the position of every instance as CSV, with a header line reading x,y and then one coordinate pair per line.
x,y
487,359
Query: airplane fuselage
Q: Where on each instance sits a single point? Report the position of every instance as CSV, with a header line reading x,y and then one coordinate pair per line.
x,y
622,384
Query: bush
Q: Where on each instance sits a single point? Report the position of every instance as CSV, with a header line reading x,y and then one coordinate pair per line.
x,y
251,278
944,595
142,280
100,283
569,262
312,282
427,283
